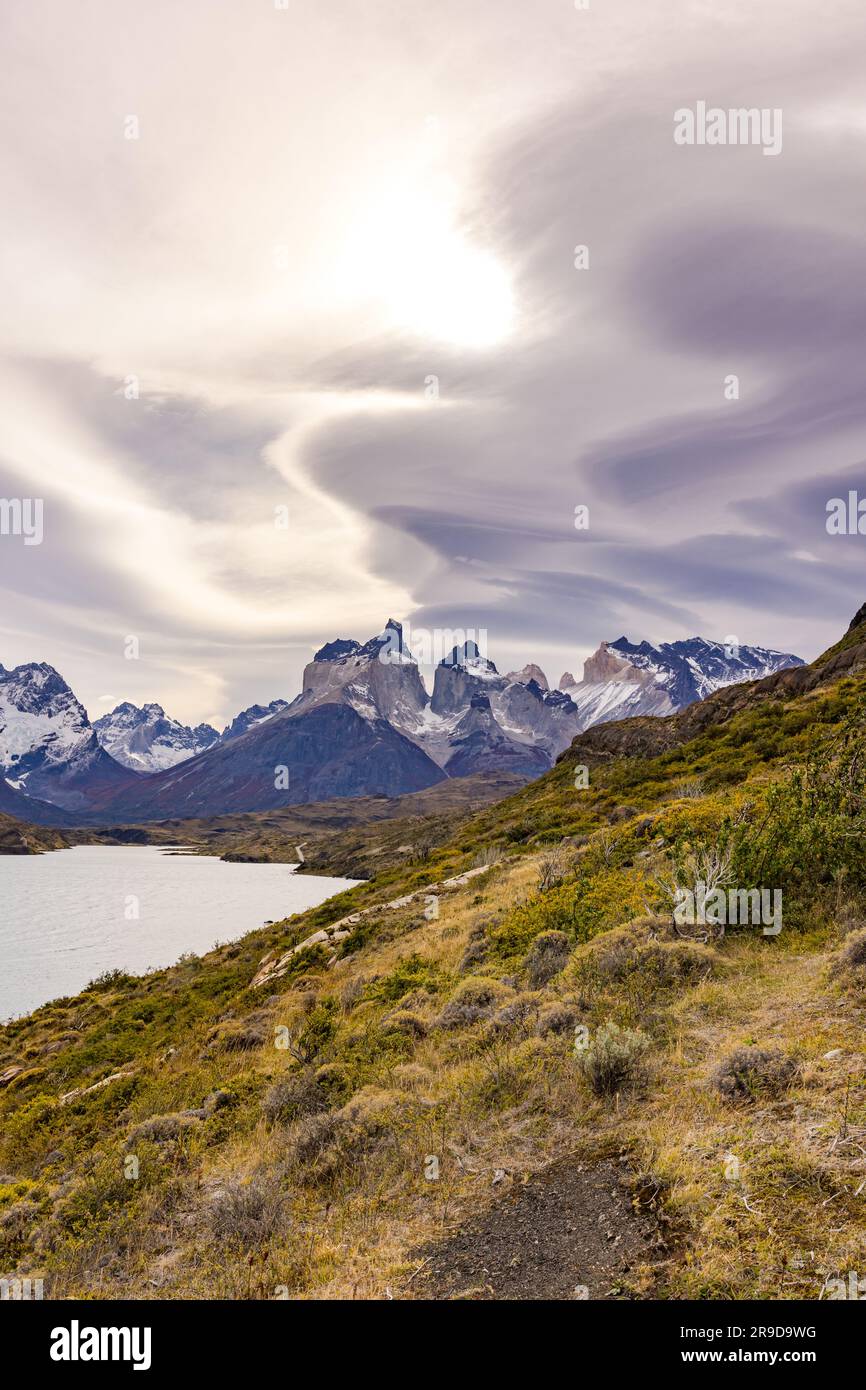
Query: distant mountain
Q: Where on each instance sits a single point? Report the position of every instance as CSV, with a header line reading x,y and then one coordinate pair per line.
x,y
42,724
147,740
363,724
48,747
520,721
479,744
344,735
256,714
623,679
459,731
523,710
295,757
647,738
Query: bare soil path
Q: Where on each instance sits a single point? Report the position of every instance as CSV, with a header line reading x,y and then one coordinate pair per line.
x,y
568,1232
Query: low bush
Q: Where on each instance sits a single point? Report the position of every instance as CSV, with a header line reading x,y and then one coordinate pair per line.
x,y
556,1019
294,1096
404,1021
248,1213
753,1072
614,1059
546,957
473,1000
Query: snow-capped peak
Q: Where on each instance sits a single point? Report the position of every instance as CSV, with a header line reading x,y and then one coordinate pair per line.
x,y
41,721
694,667
147,740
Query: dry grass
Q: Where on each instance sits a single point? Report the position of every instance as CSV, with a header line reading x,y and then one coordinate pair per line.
x,y
325,1195
788,1221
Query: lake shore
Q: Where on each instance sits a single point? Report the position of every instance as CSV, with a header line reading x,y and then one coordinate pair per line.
x,y
75,914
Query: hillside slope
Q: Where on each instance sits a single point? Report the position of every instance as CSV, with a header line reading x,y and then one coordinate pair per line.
x,y
373,1098
291,759
18,837
28,809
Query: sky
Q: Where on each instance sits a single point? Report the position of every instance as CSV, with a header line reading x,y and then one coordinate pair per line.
x,y
294,339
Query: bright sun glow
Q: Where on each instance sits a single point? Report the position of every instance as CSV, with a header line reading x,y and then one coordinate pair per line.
x,y
411,257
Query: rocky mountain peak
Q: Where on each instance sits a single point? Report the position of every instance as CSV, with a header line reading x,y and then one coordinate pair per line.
x,y
467,656
335,651
859,617
146,739
388,645
38,708
606,664
560,699
252,715
530,674
48,746
379,679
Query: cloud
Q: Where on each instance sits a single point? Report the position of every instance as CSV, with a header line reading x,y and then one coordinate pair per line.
x,y
308,233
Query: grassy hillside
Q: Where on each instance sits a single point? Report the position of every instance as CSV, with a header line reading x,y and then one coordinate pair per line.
x,y
532,1052
19,837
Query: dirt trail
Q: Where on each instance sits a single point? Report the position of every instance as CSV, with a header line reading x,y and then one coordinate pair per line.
x,y
569,1232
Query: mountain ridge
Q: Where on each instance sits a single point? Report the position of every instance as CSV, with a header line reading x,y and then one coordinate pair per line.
x,y
146,739
474,720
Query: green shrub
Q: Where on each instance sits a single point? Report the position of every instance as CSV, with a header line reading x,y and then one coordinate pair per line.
x,y
593,902
414,972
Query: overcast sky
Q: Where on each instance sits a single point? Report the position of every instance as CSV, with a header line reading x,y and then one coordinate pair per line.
x,y
330,205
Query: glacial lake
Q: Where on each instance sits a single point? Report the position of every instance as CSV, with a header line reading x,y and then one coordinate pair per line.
x,y
69,915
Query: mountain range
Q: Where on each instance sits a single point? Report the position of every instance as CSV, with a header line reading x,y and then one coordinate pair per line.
x,y
147,740
363,724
